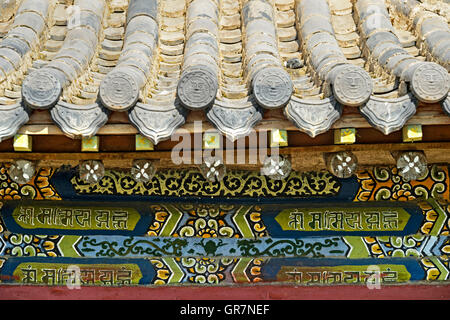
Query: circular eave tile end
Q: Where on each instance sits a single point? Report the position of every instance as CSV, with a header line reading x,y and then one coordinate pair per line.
x,y
352,86
197,88
119,91
272,87
430,83
41,90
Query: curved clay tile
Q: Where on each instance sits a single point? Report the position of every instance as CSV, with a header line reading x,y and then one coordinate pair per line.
x,y
7,10
120,89
78,112
290,51
199,81
43,87
432,30
428,81
160,112
15,49
159,59
351,85
234,112
23,37
271,85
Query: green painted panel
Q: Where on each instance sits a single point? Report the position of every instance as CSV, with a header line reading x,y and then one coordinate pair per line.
x,y
64,217
343,219
384,273
64,273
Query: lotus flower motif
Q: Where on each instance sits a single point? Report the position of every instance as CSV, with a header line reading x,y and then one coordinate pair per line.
x,y
276,167
412,165
143,170
91,171
213,169
21,171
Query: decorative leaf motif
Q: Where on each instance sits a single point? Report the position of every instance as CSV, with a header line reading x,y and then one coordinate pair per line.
x,y
130,246
313,116
234,122
389,115
282,248
191,182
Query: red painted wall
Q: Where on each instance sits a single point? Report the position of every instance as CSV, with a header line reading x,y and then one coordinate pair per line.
x,y
400,292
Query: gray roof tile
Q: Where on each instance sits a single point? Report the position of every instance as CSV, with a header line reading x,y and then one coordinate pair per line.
x,y
159,59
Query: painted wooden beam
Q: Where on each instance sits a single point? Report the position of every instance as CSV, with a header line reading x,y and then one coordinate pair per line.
x,y
302,158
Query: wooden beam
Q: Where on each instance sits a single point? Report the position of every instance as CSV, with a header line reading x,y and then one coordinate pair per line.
x,y
41,122
302,158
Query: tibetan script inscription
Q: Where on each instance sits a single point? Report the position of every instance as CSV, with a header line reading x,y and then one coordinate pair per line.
x,y
76,218
89,274
344,274
343,219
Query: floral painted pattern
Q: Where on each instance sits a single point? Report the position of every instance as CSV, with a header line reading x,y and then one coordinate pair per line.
x,y
207,270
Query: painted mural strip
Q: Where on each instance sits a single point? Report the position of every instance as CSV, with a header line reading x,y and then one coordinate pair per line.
x,y
337,271
180,185
165,219
64,271
214,270
373,218
99,246
225,218
58,217
379,183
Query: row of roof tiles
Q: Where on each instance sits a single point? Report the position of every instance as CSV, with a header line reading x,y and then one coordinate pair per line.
x,y
157,60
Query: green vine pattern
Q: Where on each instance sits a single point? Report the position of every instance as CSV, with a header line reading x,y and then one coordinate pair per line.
x,y
282,248
168,247
192,183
